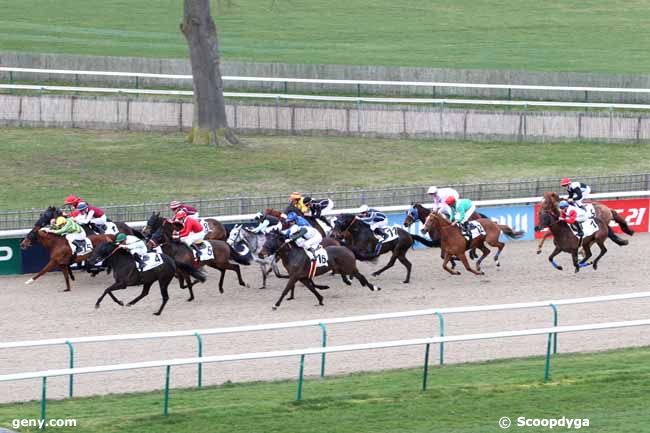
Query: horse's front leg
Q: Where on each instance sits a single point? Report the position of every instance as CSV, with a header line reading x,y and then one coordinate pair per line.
x,y
48,267
541,242
109,291
447,257
290,285
463,258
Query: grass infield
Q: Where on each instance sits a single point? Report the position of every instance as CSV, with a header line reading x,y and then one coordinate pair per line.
x,y
610,389
42,166
570,35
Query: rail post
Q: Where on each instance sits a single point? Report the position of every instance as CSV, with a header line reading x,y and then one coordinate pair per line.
x,y
166,409
441,320
425,374
547,367
300,377
554,307
358,90
43,401
71,365
323,344
200,354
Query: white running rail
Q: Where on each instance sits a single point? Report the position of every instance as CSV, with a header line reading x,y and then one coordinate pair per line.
x,y
334,81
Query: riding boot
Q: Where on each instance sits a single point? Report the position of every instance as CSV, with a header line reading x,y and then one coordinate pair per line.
x,y
139,260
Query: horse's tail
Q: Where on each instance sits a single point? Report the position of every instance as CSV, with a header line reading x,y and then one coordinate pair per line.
x,y
425,241
622,224
192,271
510,232
615,238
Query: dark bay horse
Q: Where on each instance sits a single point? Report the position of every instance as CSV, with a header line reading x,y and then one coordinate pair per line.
x,y
125,273
551,201
216,230
359,238
181,253
310,219
566,241
340,260
61,256
454,243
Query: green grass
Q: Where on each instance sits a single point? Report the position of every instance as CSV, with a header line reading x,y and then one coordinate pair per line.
x,y
610,389
42,166
570,35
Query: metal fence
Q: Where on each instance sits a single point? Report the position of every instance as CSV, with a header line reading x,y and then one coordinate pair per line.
x,y
392,196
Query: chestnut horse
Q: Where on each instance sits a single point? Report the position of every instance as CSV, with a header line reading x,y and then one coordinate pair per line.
x,y
454,243
550,204
59,250
566,241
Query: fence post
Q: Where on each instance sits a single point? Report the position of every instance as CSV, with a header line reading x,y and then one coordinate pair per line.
x,y
358,90
43,400
200,372
547,367
554,307
323,344
166,409
426,368
300,376
71,365
441,320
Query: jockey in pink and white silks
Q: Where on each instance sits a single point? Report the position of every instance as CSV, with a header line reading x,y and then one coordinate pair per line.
x,y
91,215
439,199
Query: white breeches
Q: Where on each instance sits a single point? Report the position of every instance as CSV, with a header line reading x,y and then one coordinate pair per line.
x,y
585,194
311,243
193,238
379,225
75,237
139,248
328,208
100,221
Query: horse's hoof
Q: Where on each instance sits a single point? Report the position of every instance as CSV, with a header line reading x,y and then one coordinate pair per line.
x,y
261,288
220,290
560,268
498,264
156,314
482,273
377,288
374,274
320,304
274,308
66,290
28,282
323,287
121,304
243,284
405,281
457,273
96,306
539,251
190,299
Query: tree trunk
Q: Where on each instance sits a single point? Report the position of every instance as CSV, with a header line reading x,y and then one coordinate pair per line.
x,y
210,124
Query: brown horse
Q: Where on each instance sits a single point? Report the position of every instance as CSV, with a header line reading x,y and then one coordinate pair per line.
x,y
215,230
340,260
181,253
454,243
60,252
282,216
566,241
551,201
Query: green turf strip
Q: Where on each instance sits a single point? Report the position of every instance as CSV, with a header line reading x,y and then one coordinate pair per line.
x,y
610,389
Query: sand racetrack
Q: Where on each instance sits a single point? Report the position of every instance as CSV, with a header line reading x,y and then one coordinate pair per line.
x,y
41,311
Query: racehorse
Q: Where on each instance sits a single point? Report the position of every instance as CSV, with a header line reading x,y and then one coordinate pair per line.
x,y
566,241
61,256
454,243
340,260
126,273
181,253
363,243
216,230
254,242
551,201
122,227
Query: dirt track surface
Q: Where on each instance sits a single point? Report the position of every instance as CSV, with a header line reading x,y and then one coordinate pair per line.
x,y
41,311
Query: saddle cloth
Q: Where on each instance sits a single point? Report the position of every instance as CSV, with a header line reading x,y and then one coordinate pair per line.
x,y
111,228
205,251
81,247
476,229
206,226
589,227
390,233
151,261
320,260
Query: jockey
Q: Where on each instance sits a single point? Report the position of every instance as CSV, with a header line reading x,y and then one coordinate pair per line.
x,y
576,190
91,215
439,197
177,206
375,219
296,204
306,237
192,232
66,226
70,203
460,212
574,216
266,223
133,245
299,220
316,207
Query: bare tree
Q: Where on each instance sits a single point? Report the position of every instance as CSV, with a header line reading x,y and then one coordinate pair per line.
x,y
210,124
